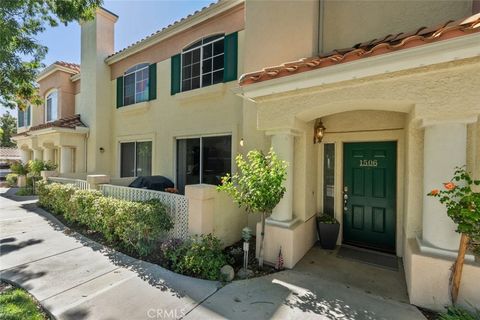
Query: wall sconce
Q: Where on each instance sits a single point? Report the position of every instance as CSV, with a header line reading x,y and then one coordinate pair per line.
x,y
318,131
102,150
241,142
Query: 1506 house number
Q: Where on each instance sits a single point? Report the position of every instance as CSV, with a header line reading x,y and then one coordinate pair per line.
x,y
368,163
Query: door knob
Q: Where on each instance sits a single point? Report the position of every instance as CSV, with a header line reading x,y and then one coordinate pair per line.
x,y
345,198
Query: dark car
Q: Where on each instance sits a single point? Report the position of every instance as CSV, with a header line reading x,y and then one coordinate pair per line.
x,y
159,183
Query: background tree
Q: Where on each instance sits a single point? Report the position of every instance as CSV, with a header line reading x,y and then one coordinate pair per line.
x,y
20,53
258,186
8,127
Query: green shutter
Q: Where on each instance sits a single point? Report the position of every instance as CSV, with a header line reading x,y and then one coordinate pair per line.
x,y
120,92
175,79
21,116
29,116
152,81
230,57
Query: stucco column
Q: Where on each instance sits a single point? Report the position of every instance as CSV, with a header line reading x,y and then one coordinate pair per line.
x,y
25,155
445,147
48,154
283,144
65,160
37,154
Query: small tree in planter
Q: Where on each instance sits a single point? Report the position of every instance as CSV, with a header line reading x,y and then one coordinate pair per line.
x,y
463,207
258,185
21,170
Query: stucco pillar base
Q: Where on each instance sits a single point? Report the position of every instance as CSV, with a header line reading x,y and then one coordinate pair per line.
x,y
428,248
295,241
427,277
201,205
283,224
95,180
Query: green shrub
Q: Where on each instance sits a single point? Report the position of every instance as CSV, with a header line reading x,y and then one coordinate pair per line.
x,y
136,226
12,179
458,313
19,168
26,191
201,257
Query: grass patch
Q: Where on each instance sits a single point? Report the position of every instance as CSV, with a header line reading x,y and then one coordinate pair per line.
x,y
17,304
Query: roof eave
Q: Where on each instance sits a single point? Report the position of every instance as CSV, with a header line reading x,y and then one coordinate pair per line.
x,y
53,68
178,27
458,48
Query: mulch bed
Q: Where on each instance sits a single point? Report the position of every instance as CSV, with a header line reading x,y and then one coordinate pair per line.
x,y
235,251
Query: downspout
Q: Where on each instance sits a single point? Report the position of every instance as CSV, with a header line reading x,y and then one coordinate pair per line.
x,y
86,151
321,11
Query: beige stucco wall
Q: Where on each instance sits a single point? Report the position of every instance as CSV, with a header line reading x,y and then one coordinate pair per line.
x,y
347,23
60,81
97,39
212,110
279,31
227,22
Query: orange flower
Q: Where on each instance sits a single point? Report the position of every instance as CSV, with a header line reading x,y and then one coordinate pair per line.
x,y
434,192
449,185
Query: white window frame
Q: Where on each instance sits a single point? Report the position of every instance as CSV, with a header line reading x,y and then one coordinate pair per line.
x,y
25,118
201,46
135,70
55,91
134,158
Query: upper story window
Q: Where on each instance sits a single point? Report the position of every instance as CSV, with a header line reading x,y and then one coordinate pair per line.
x,y
208,61
203,63
135,84
51,107
138,84
24,117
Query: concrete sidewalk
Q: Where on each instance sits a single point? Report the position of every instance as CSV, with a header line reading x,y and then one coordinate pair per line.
x,y
76,278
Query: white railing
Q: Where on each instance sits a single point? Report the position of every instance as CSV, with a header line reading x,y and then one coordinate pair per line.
x,y
80,184
176,205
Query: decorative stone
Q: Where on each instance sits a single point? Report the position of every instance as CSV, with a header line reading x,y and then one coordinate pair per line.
x,y
245,273
227,273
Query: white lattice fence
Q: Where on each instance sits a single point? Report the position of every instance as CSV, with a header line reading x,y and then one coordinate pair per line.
x,y
177,205
80,184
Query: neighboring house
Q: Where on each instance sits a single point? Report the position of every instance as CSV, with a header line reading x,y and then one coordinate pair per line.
x,y
399,112
7,156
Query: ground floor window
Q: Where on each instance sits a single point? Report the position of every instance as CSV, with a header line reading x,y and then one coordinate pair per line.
x,y
203,160
135,159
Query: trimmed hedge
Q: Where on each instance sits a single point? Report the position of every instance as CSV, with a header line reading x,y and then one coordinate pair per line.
x,y
199,256
136,226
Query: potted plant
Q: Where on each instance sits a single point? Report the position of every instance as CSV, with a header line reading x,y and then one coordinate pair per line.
x,y
328,228
21,170
49,170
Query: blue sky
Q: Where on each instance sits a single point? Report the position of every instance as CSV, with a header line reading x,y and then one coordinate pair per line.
x,y
137,19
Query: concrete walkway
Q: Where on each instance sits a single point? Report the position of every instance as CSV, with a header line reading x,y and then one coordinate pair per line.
x,y
76,278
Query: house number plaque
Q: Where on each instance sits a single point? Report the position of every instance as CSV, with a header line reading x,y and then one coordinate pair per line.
x,y
368,163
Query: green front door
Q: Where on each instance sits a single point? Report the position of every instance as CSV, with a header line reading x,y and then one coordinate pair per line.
x,y
369,179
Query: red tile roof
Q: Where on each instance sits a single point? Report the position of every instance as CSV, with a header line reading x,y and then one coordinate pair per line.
x,y
9,153
70,122
390,43
72,66
165,28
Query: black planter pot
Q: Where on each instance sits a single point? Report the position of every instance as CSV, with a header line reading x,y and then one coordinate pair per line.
x,y
328,234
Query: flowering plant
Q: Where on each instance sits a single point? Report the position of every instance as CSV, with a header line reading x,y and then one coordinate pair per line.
x,y
463,204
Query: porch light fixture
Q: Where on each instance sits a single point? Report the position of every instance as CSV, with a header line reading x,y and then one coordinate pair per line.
x,y
242,142
102,150
318,131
